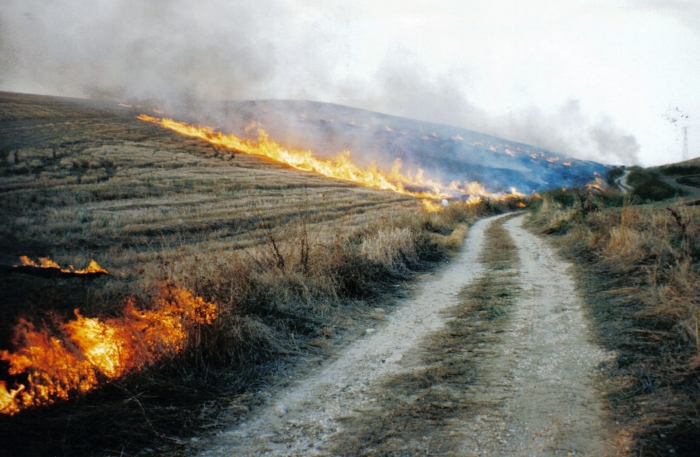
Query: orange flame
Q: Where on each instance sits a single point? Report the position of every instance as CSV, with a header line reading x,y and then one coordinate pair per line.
x,y
340,167
86,350
45,262
431,206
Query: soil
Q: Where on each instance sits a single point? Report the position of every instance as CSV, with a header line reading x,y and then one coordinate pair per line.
x,y
526,386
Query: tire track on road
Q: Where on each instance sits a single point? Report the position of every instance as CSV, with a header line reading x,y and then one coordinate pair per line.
x,y
544,371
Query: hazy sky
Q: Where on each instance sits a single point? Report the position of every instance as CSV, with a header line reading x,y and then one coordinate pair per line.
x,y
604,80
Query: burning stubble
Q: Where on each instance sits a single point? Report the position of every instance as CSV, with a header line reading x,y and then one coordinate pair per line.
x,y
86,351
340,167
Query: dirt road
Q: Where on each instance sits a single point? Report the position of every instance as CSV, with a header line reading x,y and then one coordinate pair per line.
x,y
543,369
622,182
528,388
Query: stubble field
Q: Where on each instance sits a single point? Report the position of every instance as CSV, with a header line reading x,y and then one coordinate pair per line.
x,y
290,259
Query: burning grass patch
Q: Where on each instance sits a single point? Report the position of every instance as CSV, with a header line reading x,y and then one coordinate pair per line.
x,y
416,410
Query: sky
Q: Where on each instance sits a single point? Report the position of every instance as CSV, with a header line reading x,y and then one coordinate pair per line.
x,y
613,81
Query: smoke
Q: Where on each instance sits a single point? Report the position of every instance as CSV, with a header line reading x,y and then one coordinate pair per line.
x,y
405,91
135,48
687,12
179,52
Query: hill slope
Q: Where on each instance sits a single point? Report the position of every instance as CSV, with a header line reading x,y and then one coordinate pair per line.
x,y
445,152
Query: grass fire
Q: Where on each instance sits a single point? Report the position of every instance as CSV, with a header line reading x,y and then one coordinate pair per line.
x,y
215,273
349,229
340,167
93,267
218,269
78,355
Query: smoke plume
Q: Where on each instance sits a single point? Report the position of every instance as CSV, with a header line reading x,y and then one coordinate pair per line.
x,y
180,51
404,91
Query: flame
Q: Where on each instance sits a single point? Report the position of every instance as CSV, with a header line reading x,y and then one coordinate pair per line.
x,y
431,206
473,188
85,351
339,167
45,262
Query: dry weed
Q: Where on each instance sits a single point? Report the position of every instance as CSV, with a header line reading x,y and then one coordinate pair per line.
x,y
641,267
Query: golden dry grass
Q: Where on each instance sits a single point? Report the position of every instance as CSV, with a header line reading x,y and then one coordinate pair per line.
x,y
640,267
78,180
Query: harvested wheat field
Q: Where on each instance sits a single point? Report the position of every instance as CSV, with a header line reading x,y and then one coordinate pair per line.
x,y
83,180
153,283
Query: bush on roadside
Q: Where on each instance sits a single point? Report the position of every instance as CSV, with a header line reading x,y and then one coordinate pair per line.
x,y
648,187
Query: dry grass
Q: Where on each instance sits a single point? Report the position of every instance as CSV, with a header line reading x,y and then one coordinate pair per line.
x,y
289,257
642,272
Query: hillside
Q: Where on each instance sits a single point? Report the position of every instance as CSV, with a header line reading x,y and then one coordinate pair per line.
x,y
444,152
684,175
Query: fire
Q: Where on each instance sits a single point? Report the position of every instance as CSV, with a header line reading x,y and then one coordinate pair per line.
x,y
431,206
44,262
340,167
84,351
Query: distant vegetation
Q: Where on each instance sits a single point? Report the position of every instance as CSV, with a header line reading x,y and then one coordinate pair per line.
x,y
649,187
678,169
640,271
684,173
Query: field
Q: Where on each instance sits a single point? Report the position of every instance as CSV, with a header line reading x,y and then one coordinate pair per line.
x,y
83,181
288,259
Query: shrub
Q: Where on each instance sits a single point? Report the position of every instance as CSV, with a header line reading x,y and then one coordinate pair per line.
x,y
648,187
